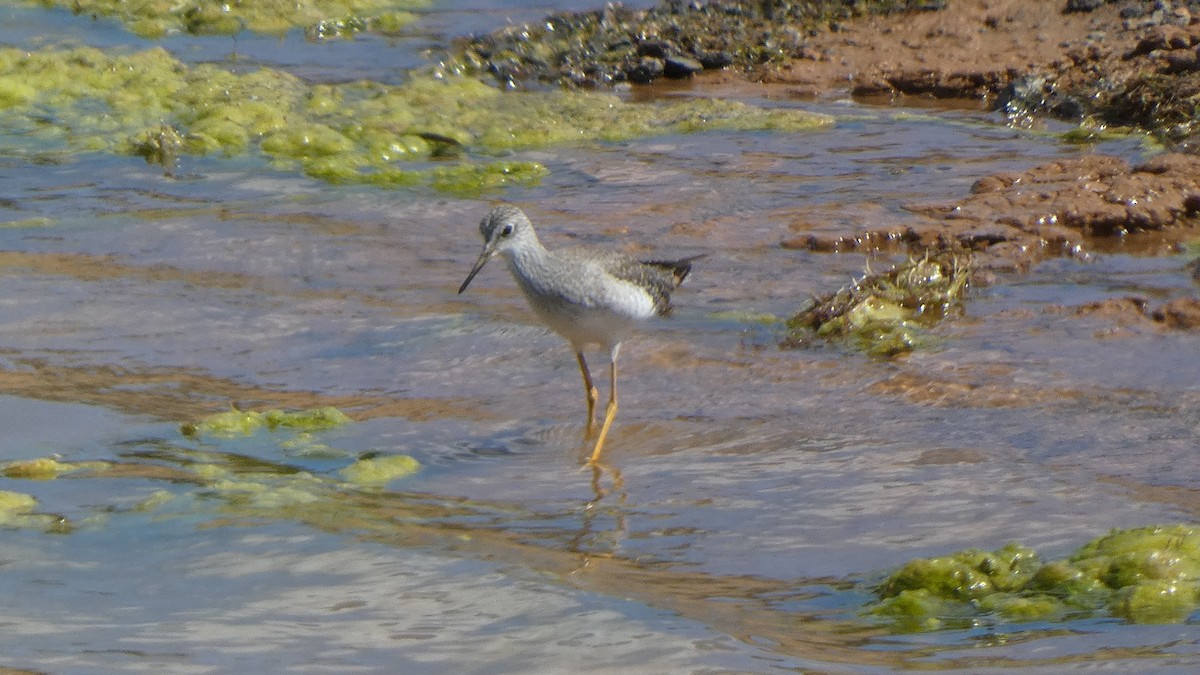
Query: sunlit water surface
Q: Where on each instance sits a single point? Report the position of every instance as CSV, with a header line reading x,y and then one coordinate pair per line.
x,y
752,494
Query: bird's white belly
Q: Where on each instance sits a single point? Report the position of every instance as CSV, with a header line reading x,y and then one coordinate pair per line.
x,y
607,321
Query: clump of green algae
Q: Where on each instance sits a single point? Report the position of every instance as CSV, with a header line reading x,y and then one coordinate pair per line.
x,y
242,482
149,104
886,313
45,468
377,471
1144,575
17,510
246,422
374,471
237,479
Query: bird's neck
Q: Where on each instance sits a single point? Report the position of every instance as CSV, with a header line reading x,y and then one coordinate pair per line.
x,y
522,260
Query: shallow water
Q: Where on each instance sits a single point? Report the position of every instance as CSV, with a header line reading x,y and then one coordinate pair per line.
x,y
753,494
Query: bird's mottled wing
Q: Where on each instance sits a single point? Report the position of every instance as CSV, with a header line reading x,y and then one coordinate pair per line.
x,y
658,277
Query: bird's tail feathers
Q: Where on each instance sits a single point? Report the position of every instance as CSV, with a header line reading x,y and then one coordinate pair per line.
x,y
679,269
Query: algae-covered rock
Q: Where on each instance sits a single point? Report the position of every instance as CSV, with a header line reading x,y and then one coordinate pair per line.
x,y
378,471
886,313
1143,575
158,146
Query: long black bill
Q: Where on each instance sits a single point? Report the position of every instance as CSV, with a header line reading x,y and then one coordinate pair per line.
x,y
483,258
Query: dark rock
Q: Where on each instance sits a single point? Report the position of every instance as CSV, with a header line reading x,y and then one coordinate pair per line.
x,y
653,48
995,183
679,67
647,70
1083,5
1132,12
715,60
813,242
1161,37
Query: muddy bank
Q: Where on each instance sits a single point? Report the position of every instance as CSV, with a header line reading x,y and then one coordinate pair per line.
x,y
1128,63
674,39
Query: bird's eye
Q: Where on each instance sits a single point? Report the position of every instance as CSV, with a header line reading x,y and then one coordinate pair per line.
x,y
506,231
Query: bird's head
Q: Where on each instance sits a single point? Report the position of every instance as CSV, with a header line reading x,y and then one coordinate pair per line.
x,y
504,229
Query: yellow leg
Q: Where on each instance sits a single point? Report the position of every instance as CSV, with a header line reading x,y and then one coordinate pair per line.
x,y
610,412
592,395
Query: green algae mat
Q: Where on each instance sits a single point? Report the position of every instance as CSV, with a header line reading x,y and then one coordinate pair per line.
x,y
318,18
443,131
246,485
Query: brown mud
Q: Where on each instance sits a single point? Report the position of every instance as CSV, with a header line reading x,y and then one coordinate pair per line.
x,y
1070,207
